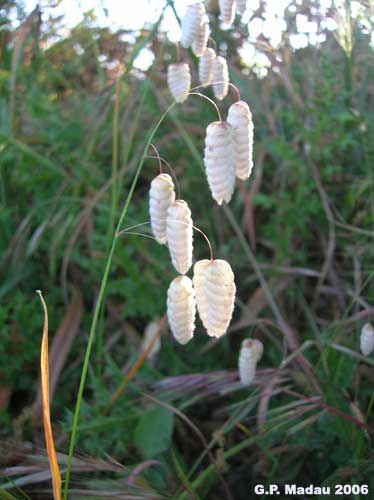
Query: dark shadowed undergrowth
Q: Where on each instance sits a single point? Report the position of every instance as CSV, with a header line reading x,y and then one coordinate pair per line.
x,y
75,117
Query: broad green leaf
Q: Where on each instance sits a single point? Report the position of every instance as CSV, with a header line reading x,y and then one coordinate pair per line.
x,y
153,432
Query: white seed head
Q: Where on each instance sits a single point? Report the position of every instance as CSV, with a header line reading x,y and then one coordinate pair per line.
x,y
181,309
241,6
206,66
220,77
179,81
151,330
240,118
191,23
161,196
200,41
198,283
179,231
219,161
216,296
227,9
367,339
250,353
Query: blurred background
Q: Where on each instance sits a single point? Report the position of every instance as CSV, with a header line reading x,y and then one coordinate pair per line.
x,y
82,84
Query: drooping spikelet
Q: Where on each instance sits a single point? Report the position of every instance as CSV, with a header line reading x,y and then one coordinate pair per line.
x,y
181,309
206,66
216,296
220,77
240,118
201,38
191,23
219,161
227,9
179,235
241,6
198,283
250,353
367,339
161,196
151,331
179,81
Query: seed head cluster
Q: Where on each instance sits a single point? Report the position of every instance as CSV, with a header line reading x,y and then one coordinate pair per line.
x,y
241,6
367,339
220,76
206,66
250,353
227,9
161,196
179,81
192,23
227,155
219,160
181,309
240,119
217,294
151,332
179,235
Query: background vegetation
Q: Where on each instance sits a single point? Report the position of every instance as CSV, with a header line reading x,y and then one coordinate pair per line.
x,y
75,116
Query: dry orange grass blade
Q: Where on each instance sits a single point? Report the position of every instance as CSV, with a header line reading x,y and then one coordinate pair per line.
x,y
60,347
44,367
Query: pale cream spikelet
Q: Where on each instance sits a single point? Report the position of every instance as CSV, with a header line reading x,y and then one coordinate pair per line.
x,y
161,196
181,309
179,229
240,118
220,77
250,353
219,161
200,41
206,66
191,23
151,331
367,339
179,81
199,283
241,6
227,9
218,290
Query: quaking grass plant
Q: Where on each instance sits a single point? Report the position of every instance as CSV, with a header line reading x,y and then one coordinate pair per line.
x,y
217,277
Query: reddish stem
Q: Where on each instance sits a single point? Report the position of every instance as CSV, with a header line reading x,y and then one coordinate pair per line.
x,y
210,100
158,156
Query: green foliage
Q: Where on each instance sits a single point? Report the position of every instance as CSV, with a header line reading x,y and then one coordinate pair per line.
x,y
153,432
57,213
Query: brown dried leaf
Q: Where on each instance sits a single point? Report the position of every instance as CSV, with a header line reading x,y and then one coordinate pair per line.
x,y
61,345
44,367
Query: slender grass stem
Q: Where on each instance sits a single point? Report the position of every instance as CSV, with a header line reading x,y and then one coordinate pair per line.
x,y
99,303
113,209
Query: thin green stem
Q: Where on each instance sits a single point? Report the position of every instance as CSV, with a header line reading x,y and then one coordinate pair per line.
x,y
99,303
112,217
115,151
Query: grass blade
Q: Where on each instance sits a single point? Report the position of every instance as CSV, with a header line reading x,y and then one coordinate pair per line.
x,y
44,367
